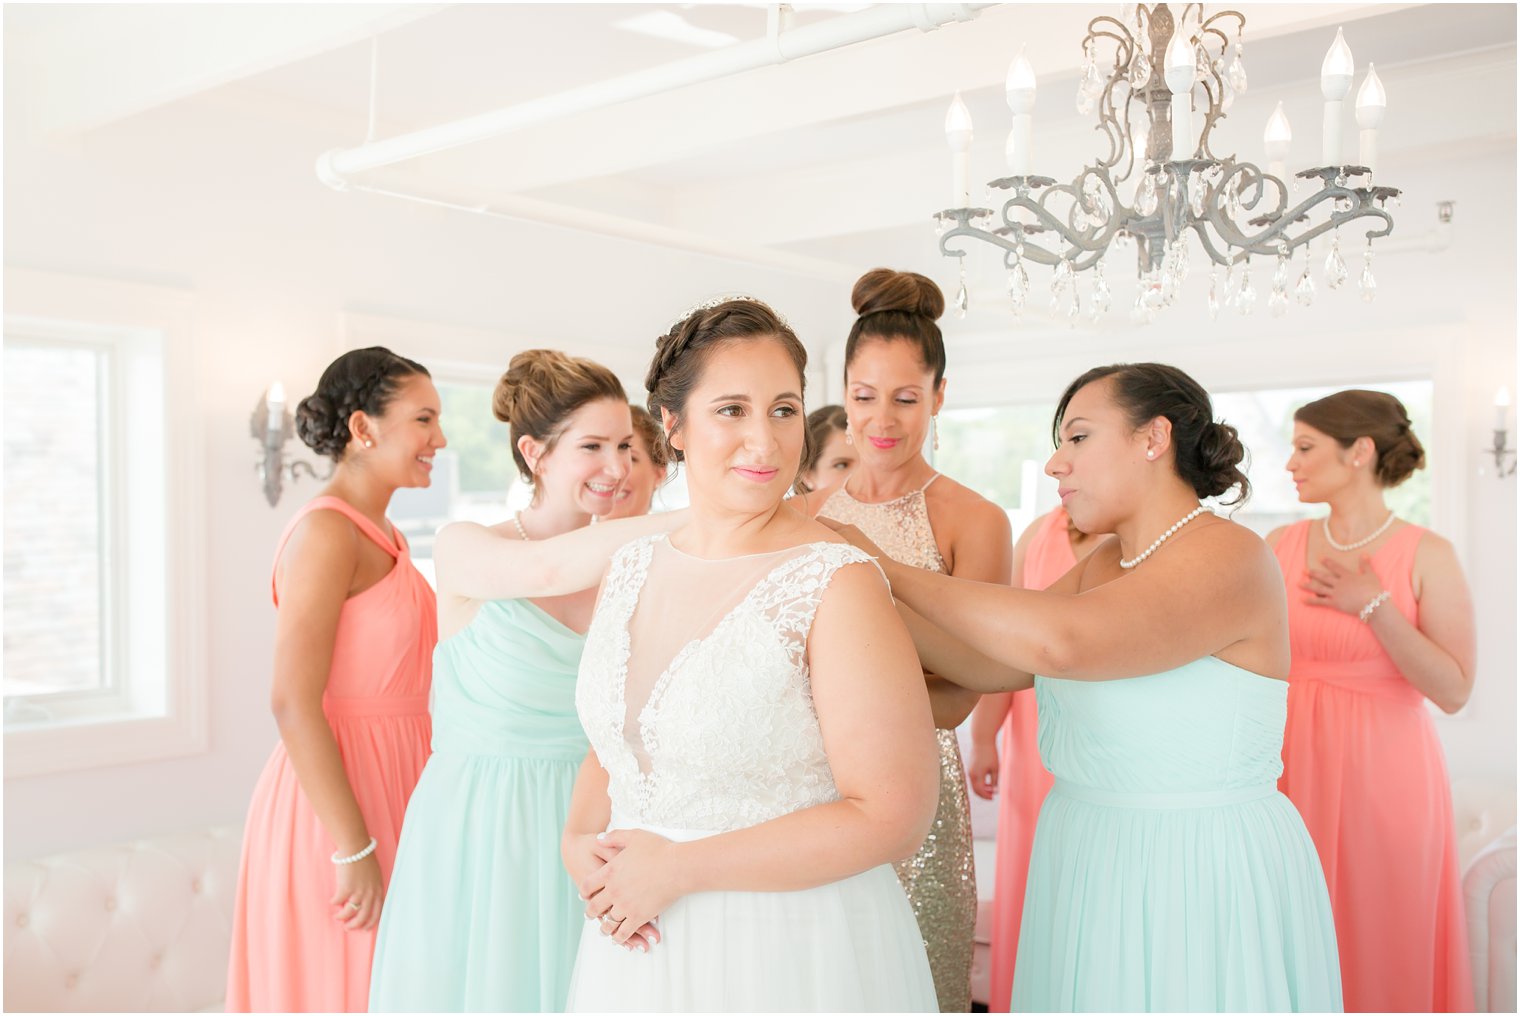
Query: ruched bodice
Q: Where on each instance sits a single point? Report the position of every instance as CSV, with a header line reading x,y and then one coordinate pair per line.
x,y
1338,648
1206,726
505,685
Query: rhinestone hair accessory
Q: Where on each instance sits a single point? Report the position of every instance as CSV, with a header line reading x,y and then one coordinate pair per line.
x,y
724,298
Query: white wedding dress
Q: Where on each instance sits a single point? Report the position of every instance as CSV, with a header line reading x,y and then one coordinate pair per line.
x,y
694,693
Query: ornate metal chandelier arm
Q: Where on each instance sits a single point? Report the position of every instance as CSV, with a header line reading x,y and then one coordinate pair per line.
x,y
1092,247
1109,122
1271,237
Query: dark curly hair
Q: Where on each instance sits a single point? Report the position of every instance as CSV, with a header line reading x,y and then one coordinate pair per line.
x,y
1208,454
360,380
681,352
1357,412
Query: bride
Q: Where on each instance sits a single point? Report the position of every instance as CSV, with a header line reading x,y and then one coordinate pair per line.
x,y
762,748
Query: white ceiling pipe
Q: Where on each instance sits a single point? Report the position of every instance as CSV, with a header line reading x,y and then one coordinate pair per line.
x,y
524,209
787,44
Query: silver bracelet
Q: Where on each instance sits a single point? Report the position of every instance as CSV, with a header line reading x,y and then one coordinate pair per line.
x,y
361,855
1373,604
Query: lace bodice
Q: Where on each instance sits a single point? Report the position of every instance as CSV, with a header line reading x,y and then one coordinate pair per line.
x,y
900,526
694,688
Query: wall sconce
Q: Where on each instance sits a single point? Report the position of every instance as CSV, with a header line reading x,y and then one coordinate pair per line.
x,y
1501,450
271,426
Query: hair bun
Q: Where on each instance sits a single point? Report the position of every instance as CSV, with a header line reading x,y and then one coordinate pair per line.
x,y
882,289
530,369
1220,453
319,427
1398,461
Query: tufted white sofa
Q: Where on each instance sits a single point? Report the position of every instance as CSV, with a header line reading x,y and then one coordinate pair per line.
x,y
139,927
144,926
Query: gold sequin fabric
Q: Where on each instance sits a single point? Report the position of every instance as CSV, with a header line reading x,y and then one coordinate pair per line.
x,y
940,880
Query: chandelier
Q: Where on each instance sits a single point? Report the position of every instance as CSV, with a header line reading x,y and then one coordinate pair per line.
x,y
1162,67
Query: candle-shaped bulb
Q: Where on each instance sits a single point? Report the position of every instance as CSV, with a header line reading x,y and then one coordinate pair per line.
x,y
958,125
1501,409
274,401
1336,72
1181,62
1020,85
1278,135
1371,101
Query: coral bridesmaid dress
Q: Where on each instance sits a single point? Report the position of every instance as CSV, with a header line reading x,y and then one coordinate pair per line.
x,y
1363,763
288,953
1022,779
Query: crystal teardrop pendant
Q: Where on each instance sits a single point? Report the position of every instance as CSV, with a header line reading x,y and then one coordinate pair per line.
x,y
1018,287
1238,71
1145,196
1229,280
1198,189
1367,283
1179,251
1247,298
1140,71
962,298
1213,294
1102,298
1079,218
1305,289
1232,200
1278,301
1336,272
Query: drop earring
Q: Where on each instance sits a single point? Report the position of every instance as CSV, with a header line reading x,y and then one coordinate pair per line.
x,y
934,428
849,436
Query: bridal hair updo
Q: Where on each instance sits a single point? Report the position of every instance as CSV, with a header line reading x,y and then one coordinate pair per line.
x,y
540,391
361,380
681,353
1356,413
899,305
648,429
1207,453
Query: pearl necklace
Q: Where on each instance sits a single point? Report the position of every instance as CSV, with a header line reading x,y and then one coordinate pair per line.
x,y
1190,516
517,521
1379,531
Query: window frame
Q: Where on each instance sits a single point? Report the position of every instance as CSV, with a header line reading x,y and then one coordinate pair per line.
x,y
158,706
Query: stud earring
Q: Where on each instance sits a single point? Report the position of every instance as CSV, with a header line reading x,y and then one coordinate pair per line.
x,y
1150,455
368,443
1357,463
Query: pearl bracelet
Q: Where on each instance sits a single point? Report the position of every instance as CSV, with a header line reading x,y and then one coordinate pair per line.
x,y
361,855
1373,604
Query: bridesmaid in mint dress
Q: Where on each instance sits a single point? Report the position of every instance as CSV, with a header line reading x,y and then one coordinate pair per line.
x,y
481,915
1167,872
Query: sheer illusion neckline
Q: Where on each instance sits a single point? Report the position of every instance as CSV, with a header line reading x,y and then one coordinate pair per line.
x,y
665,537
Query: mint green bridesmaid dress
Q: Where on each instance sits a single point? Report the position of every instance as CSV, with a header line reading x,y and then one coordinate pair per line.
x,y
1168,873
480,914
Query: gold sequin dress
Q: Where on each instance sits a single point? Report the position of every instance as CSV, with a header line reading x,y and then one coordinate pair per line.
x,y
940,879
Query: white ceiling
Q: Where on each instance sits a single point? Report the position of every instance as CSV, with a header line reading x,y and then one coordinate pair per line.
x,y
838,156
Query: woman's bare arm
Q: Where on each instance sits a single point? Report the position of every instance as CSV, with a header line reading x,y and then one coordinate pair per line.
x,y
475,563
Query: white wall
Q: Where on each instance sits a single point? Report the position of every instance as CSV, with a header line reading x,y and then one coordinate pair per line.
x,y
222,202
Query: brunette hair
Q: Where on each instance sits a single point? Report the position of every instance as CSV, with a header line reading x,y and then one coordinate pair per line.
x,y
539,392
898,305
361,380
1207,453
681,352
822,423
654,439
1356,413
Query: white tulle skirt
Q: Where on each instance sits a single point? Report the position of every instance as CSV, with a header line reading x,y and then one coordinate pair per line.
x,y
849,946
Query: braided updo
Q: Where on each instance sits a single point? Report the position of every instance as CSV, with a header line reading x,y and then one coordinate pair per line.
x,y
1207,453
539,392
681,352
1357,412
362,380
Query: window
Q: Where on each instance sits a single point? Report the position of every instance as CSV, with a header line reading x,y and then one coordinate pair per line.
x,y
1000,453
58,537
104,556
